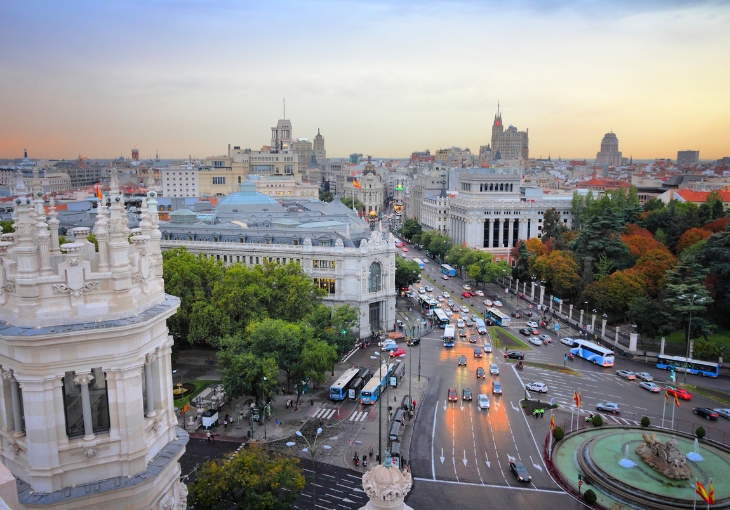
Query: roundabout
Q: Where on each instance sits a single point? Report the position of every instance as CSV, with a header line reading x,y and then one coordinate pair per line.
x,y
642,468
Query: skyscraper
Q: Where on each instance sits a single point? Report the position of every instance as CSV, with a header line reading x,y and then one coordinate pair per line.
x,y
509,143
609,153
319,148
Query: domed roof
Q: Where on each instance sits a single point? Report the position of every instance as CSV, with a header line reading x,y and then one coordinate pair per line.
x,y
247,196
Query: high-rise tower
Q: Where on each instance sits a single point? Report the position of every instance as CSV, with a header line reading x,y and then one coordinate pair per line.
x,y
87,416
319,150
609,154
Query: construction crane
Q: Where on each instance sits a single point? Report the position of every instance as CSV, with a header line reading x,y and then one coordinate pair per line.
x,y
81,161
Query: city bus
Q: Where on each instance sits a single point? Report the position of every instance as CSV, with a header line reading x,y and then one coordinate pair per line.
x,y
371,392
428,304
448,270
592,352
441,318
449,335
338,391
419,262
497,317
481,327
691,366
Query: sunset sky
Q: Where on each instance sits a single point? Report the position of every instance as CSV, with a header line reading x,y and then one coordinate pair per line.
x,y
98,78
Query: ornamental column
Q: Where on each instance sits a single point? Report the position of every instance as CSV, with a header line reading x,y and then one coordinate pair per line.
x,y
83,380
491,232
15,396
510,233
148,384
501,232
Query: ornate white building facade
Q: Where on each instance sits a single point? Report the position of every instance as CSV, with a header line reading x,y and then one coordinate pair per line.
x,y
87,416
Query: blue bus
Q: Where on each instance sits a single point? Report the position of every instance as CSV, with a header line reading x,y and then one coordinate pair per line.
x,y
592,352
448,270
691,366
338,391
497,317
419,262
441,318
449,334
371,392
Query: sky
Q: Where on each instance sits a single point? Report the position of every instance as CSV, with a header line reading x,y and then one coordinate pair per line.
x,y
187,78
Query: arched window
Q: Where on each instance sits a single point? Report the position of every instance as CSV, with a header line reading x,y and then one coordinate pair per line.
x,y
375,280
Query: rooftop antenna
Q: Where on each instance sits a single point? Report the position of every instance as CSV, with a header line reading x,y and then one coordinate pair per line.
x,y
285,108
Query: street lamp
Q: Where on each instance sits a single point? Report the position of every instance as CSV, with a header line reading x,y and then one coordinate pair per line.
x,y
380,406
423,327
691,302
311,449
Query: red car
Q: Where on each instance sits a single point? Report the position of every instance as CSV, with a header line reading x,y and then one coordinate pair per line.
x,y
473,293
453,397
466,294
683,394
398,352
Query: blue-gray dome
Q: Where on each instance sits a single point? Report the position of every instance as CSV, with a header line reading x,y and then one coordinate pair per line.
x,y
247,199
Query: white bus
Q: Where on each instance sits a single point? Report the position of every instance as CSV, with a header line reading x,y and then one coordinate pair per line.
x,y
592,352
338,391
449,335
441,318
497,317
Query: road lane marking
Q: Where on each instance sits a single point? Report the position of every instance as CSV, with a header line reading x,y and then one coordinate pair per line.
x,y
433,434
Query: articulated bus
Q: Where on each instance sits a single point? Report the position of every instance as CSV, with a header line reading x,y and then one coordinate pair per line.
x,y
371,392
441,318
338,391
497,317
428,304
691,366
449,334
592,352
419,262
448,270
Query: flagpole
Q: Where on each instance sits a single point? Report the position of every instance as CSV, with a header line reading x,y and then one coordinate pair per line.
x,y
694,501
673,416
664,410
571,419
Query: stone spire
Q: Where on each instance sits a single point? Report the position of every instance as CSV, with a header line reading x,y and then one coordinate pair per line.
x,y
53,223
20,183
386,486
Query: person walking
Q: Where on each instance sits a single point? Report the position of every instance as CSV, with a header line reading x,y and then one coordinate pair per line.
x,y
277,423
210,440
370,451
225,423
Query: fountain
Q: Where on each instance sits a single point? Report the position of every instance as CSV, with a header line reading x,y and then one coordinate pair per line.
x,y
626,461
694,455
182,390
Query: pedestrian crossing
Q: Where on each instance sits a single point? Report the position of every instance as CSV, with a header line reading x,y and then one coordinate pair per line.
x,y
325,413
359,415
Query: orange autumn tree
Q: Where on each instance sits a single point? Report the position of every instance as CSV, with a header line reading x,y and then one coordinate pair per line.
x,y
614,293
653,265
719,225
561,270
692,237
535,249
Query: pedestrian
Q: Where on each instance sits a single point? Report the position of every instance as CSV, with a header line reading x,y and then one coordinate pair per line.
x,y
225,423
210,440
282,390
320,423
414,404
370,450
277,423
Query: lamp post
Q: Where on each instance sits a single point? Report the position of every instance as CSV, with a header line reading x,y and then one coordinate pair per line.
x,y
380,407
311,449
423,326
691,302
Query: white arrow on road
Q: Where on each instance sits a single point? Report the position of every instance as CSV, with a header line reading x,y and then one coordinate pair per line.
x,y
489,464
442,456
510,458
513,406
464,460
446,403
539,468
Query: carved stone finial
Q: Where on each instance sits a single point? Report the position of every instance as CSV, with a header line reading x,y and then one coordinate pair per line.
x,y
387,486
83,378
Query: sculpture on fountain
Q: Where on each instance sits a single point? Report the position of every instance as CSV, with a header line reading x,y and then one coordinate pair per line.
x,y
387,487
664,458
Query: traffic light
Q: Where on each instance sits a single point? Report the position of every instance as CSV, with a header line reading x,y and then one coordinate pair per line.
x,y
672,375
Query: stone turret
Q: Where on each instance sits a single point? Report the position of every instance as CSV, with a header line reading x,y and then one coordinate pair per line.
x,y
386,486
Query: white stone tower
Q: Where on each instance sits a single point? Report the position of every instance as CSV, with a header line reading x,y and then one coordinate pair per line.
x,y
87,419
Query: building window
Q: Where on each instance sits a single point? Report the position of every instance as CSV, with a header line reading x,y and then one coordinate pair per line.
x,y
375,278
98,400
327,284
323,264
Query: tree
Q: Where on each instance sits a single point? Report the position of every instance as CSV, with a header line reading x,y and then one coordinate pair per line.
x,y
558,433
613,293
654,265
245,373
714,254
334,325
458,257
410,228
692,237
274,338
438,245
601,236
348,202
560,270
406,273
652,318
688,296
251,479
326,196
706,350
7,226
551,225
317,357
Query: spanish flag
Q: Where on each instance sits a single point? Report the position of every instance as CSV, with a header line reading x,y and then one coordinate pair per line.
x,y
712,494
98,192
666,397
700,489
356,184
552,427
577,398
676,399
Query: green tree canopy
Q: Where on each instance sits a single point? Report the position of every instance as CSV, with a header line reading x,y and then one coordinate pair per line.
x,y
251,479
410,228
245,373
406,272
326,196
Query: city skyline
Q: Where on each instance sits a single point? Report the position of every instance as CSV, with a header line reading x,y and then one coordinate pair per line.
x,y
379,78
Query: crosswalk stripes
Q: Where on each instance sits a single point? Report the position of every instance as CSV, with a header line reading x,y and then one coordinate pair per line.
x,y
359,415
324,413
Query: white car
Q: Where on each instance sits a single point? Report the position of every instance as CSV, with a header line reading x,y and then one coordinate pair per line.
x,y
535,341
440,299
567,341
480,293
546,339
531,324
466,287
460,324
494,369
487,347
488,302
538,387
421,290
650,386
498,304
483,401
725,413
464,309
446,295
448,312
644,376
611,407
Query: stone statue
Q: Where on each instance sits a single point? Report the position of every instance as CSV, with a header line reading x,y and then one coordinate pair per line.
x,y
664,458
386,486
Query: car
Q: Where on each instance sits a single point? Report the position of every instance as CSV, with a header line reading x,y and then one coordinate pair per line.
x,y
650,386
405,248
389,345
472,293
460,323
474,316
626,374
724,412
413,341
496,388
472,338
535,341
567,341
494,369
466,293
464,309
537,386
462,333
680,392
644,376
429,288
487,347
517,314
514,355
708,413
477,352
446,295
469,322
481,374
444,277
483,401
610,407
466,287
448,312
546,339
480,293
440,299
535,331
453,397
398,352
421,290
526,331
462,360
531,324
498,304
466,394
454,308
488,302
520,471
